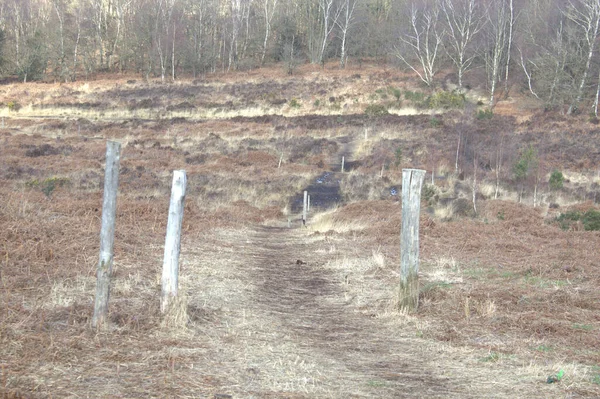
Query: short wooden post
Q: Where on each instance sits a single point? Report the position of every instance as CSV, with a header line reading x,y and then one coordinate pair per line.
x,y
107,234
343,164
305,208
412,181
170,272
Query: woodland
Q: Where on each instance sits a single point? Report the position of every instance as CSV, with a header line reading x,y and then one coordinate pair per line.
x,y
547,48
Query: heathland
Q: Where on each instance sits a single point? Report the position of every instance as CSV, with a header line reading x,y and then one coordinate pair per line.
x,y
269,308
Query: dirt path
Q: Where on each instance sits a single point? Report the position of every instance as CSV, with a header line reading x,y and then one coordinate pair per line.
x,y
288,330
305,300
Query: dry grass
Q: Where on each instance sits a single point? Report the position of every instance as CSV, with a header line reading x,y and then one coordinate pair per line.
x,y
507,298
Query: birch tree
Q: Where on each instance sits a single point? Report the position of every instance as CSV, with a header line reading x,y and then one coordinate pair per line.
x,y
497,21
463,23
344,23
586,15
424,40
268,7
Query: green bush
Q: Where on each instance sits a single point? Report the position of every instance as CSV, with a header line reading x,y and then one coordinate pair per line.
x,y
590,219
396,93
484,114
446,100
294,103
556,180
414,96
376,110
429,194
13,106
398,156
435,122
47,186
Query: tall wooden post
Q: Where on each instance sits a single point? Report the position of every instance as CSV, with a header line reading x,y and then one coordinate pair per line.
x,y
305,207
412,181
170,272
107,234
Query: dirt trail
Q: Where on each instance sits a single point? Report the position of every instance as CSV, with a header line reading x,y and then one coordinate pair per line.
x,y
288,331
306,301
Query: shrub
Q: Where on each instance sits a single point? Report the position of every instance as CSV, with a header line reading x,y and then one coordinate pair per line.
x,y
376,110
429,194
435,122
317,103
556,180
446,100
414,96
396,93
294,103
398,156
484,114
47,186
13,106
590,219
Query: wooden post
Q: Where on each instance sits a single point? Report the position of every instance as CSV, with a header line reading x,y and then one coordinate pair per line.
x,y
305,207
308,204
107,234
170,272
343,164
280,160
366,134
412,181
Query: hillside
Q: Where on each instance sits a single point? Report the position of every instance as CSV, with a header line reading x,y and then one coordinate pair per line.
x,y
509,287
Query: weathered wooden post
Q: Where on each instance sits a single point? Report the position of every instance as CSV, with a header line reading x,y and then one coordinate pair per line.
x,y
170,272
343,164
412,181
107,234
305,207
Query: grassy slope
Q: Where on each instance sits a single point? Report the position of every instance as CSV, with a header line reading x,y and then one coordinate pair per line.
x,y
508,298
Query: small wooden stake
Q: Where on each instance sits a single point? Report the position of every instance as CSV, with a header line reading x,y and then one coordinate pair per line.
x,y
412,181
170,272
305,208
107,234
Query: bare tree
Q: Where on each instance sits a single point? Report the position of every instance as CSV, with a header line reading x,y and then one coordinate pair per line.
x,y
348,7
510,26
330,12
424,40
497,22
269,7
586,15
463,23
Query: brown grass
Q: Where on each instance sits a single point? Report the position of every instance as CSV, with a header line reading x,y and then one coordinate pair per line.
x,y
507,297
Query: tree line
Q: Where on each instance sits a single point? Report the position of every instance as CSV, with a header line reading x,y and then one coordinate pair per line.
x,y
547,47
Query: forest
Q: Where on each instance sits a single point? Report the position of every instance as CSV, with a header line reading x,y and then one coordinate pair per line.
x,y
547,48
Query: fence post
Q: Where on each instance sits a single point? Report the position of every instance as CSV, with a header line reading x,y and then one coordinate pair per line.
x,y
412,181
107,234
170,272
305,207
343,164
